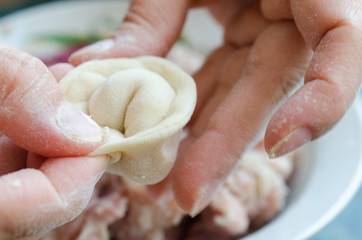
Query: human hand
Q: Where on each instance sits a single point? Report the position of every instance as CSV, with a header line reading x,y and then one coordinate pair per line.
x,y
40,193
246,85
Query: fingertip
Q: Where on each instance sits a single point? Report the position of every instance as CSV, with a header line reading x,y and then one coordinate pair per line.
x,y
149,28
59,70
200,172
204,198
98,50
292,141
34,113
68,132
159,189
307,115
63,187
78,126
74,177
195,199
276,9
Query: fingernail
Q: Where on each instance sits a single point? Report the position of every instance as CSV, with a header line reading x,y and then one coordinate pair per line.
x,y
292,141
76,125
97,47
205,196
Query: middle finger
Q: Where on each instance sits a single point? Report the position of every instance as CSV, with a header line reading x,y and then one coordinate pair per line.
x,y
275,65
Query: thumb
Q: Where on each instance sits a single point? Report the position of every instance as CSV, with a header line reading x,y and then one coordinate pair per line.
x,y
149,28
35,115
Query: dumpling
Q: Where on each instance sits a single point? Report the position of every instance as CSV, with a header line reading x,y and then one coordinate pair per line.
x,y
143,103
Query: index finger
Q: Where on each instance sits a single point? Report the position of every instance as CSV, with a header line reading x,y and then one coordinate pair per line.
x,y
33,202
275,65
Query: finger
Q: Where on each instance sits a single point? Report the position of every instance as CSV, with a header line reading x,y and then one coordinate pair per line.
x,y
149,28
246,26
59,70
159,189
276,9
319,19
229,74
273,69
202,3
332,79
207,77
12,157
224,11
224,74
165,186
33,202
33,112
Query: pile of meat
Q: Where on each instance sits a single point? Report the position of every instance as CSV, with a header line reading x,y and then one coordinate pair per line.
x,y
120,209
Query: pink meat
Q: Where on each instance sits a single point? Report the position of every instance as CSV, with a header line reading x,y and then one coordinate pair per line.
x,y
147,218
250,197
121,209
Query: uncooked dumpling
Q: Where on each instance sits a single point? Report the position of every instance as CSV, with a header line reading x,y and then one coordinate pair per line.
x,y
143,102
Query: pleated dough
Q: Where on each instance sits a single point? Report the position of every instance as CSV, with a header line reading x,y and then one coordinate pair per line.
x,y
143,102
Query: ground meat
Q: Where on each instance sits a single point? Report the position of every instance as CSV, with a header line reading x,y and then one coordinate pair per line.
x,y
121,209
147,218
249,198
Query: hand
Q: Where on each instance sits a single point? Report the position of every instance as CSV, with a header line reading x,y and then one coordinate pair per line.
x,y
247,85
40,193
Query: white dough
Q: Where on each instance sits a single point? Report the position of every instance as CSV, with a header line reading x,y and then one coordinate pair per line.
x,y
145,102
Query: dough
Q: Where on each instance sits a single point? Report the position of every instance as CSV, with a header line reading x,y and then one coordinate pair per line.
x,y
143,103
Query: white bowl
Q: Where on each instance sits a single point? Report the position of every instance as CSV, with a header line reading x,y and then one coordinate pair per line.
x,y
329,170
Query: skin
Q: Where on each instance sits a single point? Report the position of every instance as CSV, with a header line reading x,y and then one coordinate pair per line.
x,y
288,69
40,193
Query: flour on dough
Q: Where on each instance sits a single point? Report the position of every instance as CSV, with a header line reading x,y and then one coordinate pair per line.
x,y
144,102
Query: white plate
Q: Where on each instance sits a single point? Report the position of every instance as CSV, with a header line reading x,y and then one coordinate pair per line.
x,y
329,170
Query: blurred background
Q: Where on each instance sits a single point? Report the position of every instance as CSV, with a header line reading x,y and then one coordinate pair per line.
x,y
346,226
7,6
